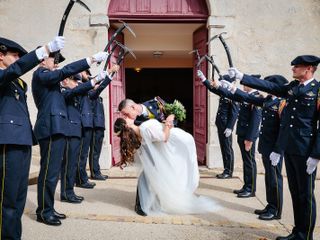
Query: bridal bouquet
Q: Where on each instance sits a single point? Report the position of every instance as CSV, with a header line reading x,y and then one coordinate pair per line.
x,y
177,109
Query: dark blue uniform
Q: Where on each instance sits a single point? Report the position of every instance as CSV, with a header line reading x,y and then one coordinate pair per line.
x,y
50,129
299,139
98,128
269,130
74,133
247,129
16,139
226,117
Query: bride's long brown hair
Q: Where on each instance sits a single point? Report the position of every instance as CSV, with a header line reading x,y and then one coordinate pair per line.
x,y
129,141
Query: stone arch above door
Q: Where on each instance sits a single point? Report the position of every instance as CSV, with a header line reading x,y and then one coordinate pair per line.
x,y
160,10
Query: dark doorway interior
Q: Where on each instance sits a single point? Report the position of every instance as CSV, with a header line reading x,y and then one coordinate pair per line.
x,y
168,83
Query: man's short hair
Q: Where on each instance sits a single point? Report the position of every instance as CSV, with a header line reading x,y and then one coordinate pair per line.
x,y
124,103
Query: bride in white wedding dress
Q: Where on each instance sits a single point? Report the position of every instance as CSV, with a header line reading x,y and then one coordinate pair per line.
x,y
170,169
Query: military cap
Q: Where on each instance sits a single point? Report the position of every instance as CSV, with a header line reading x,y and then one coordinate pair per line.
x,y
61,58
306,60
76,77
88,72
277,79
9,45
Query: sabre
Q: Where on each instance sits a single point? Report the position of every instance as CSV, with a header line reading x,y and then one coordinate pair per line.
x,y
214,66
124,51
224,45
64,20
196,51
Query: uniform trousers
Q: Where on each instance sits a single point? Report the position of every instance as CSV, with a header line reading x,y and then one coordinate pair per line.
x,y
14,172
69,166
249,166
226,151
95,151
51,151
301,186
274,185
82,176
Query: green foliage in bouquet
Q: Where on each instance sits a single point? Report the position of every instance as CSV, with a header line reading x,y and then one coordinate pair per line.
x,y
177,109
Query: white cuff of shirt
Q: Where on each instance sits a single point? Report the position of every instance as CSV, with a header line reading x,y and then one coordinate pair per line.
x,y
42,53
93,82
88,59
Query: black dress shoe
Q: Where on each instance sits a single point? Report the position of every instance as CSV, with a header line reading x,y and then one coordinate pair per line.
x,y
70,199
245,194
224,176
99,177
87,185
238,191
260,211
292,236
79,197
59,215
267,216
139,211
51,220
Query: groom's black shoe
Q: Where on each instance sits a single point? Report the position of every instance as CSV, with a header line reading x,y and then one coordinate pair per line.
x,y
139,211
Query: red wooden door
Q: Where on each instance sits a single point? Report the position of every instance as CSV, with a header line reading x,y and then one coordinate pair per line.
x,y
200,37
117,93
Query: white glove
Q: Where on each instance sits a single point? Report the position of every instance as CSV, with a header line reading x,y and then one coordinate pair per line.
x,y
226,84
227,132
56,44
201,75
100,56
275,158
311,165
101,76
233,72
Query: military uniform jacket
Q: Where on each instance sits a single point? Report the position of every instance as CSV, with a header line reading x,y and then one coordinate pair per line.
x,y
97,104
152,106
52,115
298,129
228,110
249,115
15,125
270,123
73,97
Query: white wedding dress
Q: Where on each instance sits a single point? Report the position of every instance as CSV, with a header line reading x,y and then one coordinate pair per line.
x,y
170,172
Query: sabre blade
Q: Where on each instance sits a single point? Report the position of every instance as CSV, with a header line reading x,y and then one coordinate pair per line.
x,y
83,5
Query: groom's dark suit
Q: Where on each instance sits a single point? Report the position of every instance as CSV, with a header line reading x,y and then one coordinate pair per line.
x,y
155,111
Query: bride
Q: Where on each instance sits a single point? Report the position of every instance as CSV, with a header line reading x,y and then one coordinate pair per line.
x,y
170,170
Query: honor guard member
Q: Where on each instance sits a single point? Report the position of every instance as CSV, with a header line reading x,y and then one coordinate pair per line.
x,y
269,131
247,131
72,93
16,136
86,109
226,118
299,138
51,128
98,127
142,112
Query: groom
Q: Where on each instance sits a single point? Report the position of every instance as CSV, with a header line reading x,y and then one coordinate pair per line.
x,y
140,112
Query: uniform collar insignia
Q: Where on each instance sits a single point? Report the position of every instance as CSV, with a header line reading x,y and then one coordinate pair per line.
x,y
290,92
275,107
313,84
310,94
150,107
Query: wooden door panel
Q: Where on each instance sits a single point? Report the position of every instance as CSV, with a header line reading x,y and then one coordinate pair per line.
x,y
200,37
117,93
